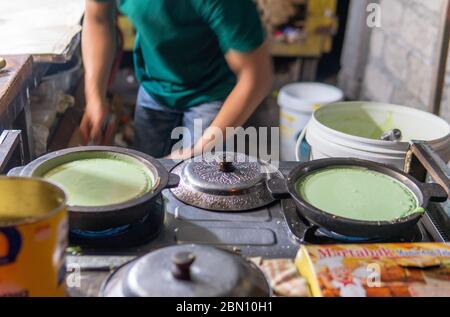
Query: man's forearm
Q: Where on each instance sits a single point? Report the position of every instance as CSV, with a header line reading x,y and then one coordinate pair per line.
x,y
248,94
254,84
98,47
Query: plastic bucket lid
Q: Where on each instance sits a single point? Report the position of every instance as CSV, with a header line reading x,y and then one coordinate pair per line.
x,y
304,96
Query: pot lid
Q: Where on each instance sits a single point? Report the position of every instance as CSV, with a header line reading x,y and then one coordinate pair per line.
x,y
188,271
224,181
223,172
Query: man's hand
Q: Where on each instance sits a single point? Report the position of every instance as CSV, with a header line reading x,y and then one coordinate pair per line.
x,y
91,127
206,144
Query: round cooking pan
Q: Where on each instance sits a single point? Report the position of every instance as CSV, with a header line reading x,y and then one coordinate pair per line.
x,y
424,193
111,216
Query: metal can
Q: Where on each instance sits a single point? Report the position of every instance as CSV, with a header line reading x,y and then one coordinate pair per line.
x,y
33,238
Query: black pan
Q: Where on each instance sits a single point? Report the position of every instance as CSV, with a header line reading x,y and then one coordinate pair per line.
x,y
424,192
111,216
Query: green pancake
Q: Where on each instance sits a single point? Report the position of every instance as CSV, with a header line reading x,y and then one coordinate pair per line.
x,y
93,182
358,193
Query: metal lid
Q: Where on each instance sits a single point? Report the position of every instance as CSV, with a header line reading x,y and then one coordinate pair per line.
x,y
223,181
223,172
188,271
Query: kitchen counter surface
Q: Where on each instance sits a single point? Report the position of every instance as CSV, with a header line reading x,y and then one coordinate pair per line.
x,y
15,111
13,78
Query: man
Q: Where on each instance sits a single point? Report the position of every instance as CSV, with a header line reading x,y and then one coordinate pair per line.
x,y
195,59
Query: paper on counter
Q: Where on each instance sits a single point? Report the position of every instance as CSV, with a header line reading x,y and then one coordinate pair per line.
x,y
39,27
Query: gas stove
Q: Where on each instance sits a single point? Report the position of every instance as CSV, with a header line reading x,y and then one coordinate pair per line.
x,y
274,231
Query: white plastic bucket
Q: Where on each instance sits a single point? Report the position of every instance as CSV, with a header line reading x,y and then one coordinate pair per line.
x,y
353,129
297,103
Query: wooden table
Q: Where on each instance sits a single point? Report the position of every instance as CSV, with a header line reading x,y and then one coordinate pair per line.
x,y
15,113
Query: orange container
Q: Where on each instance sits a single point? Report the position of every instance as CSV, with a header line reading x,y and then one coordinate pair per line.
x,y
33,238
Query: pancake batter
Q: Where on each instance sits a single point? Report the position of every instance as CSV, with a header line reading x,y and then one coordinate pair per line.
x,y
101,181
358,193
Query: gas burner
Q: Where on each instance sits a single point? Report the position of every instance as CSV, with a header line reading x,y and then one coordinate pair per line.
x,y
100,234
316,235
322,232
126,236
224,181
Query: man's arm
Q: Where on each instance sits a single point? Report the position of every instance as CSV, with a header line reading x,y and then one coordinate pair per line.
x,y
254,71
98,46
255,77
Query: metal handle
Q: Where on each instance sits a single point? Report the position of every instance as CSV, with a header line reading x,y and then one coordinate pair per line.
x,y
434,193
225,165
278,188
174,180
422,160
182,265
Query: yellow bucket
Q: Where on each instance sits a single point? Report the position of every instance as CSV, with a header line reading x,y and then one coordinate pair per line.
x,y
33,238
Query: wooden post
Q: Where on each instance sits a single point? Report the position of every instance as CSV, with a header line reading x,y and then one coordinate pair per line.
x,y
441,60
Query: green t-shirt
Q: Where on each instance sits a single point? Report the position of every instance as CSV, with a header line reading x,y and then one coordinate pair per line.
x,y
180,46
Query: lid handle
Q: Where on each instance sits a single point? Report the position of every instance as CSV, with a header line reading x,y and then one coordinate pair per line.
x,y
182,265
225,165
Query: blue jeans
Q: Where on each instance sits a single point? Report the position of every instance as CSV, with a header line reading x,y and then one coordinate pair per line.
x,y
154,124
